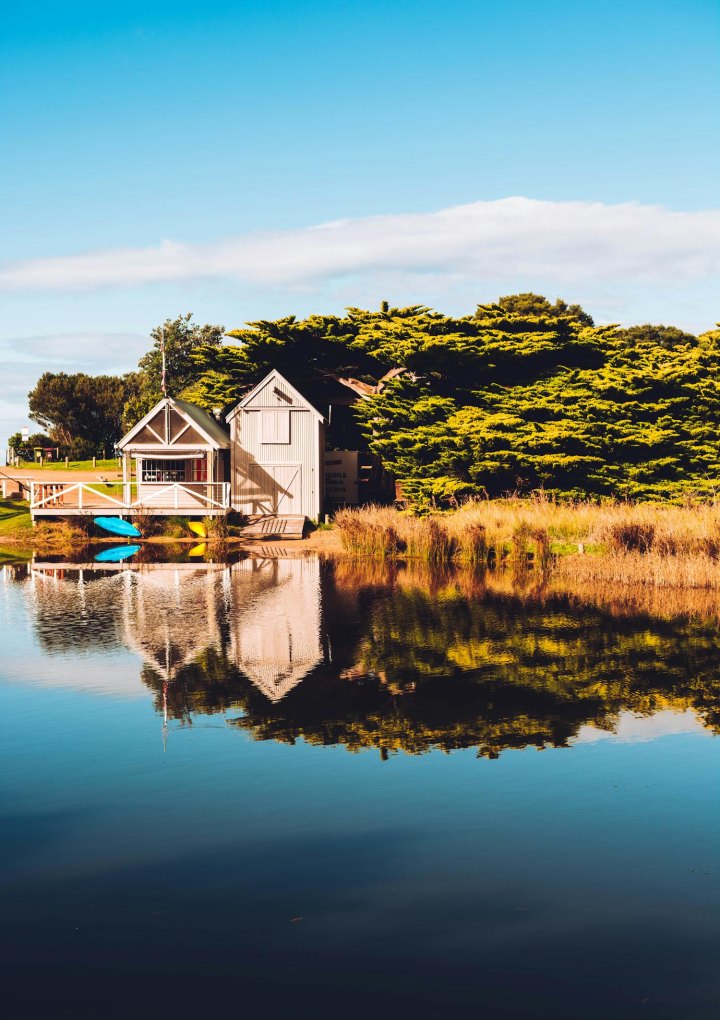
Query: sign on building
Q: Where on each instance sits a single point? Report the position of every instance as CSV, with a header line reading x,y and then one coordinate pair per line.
x,y
341,477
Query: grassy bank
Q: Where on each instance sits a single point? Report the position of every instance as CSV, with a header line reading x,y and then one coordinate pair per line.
x,y
74,465
14,517
644,544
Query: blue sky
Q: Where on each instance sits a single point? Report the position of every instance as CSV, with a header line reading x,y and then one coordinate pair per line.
x,y
230,131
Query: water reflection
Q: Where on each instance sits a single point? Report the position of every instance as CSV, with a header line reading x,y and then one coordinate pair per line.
x,y
392,658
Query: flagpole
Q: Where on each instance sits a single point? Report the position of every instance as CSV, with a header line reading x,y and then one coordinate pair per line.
x,y
163,380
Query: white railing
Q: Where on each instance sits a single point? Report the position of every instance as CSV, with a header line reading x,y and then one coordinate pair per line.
x,y
86,496
54,495
157,497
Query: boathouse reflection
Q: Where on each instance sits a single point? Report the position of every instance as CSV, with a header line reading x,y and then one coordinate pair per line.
x,y
275,628
391,658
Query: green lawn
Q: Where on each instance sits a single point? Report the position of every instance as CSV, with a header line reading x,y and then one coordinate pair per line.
x,y
74,465
14,516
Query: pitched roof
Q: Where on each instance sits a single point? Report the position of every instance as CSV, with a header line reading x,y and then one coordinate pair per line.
x,y
274,375
212,430
209,425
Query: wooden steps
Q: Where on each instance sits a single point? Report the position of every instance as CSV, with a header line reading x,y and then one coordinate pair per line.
x,y
280,526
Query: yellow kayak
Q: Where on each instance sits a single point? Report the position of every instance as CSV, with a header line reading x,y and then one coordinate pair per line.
x,y
198,550
198,528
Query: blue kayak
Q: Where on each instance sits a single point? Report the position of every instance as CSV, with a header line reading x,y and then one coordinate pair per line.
x,y
117,526
117,553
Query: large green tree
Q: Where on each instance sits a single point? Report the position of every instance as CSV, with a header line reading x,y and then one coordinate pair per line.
x,y
81,412
520,395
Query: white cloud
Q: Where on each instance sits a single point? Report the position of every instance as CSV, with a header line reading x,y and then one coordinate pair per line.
x,y
91,351
24,359
568,242
631,728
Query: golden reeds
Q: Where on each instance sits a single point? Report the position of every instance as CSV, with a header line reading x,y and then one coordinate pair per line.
x,y
644,543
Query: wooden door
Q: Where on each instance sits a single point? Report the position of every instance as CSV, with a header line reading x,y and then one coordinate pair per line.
x,y
276,488
288,494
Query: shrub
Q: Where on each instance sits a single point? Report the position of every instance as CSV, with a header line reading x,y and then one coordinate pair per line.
x,y
218,528
631,536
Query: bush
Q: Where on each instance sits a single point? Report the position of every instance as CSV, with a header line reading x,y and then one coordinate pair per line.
x,y
218,528
175,527
631,536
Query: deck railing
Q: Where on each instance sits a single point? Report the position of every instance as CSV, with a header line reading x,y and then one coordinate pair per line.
x,y
125,498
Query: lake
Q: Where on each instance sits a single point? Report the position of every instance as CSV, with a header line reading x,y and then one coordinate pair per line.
x,y
289,787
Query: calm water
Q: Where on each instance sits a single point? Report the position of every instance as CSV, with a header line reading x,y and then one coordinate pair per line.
x,y
279,788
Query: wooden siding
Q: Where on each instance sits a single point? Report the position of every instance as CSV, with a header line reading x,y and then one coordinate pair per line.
x,y
260,469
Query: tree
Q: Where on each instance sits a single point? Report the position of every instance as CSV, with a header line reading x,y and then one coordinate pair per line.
x,y
82,412
521,395
181,338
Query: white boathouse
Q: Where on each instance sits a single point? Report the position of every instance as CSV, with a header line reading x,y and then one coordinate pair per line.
x,y
277,450
178,459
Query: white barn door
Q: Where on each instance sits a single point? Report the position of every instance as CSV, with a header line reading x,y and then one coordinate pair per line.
x,y
278,488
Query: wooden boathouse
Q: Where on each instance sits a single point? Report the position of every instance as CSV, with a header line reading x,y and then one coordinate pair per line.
x,y
266,462
277,447
181,456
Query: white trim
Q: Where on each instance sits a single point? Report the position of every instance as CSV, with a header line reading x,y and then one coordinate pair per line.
x,y
144,448
156,434
274,375
168,403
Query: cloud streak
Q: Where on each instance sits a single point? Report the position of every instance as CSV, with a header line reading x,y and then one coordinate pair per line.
x,y
520,237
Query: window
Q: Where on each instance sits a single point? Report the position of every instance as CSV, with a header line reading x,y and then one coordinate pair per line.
x,y
275,426
198,470
163,470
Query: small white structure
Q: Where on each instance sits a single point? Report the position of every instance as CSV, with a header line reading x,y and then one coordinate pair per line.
x,y
181,463
277,452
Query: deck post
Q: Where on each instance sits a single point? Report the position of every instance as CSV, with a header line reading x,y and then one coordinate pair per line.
x,y
80,495
127,495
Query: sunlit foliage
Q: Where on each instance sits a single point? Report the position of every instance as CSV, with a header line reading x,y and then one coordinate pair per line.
x,y
519,396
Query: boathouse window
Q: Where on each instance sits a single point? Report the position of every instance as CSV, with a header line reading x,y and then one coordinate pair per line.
x,y
198,470
163,470
275,427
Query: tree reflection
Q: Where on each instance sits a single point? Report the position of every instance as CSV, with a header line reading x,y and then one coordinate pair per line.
x,y
395,658
410,660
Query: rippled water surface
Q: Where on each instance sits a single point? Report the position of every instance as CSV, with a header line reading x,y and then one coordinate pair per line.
x,y
284,788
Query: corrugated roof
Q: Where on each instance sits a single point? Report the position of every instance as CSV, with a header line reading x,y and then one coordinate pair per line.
x,y
205,421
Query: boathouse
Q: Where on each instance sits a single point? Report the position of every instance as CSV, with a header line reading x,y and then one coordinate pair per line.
x,y
277,449
181,456
266,460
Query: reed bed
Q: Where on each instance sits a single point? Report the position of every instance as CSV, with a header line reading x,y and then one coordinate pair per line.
x,y
651,544
651,568
385,533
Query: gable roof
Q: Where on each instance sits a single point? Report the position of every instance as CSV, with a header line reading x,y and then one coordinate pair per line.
x,y
206,425
204,421
273,376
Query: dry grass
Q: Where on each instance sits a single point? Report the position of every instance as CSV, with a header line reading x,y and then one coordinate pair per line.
x,y
466,535
651,544
652,568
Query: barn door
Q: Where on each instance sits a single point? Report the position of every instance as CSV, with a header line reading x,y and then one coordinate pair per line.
x,y
287,488
277,488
